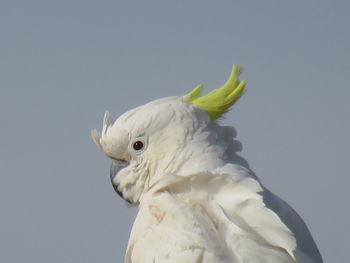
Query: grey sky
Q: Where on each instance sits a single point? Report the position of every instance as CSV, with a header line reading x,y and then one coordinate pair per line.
x,y
63,63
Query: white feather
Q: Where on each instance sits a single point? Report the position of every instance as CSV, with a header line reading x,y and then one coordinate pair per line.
x,y
198,200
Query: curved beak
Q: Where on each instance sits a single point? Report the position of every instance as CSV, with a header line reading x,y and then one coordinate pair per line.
x,y
116,166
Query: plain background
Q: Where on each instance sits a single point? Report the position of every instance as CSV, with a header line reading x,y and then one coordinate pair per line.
x,y
63,63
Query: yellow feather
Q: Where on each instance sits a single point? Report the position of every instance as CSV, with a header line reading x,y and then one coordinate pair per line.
x,y
219,100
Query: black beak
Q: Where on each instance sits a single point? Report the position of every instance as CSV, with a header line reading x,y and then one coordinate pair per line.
x,y
116,166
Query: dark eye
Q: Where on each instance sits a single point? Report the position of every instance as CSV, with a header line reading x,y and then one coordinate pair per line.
x,y
138,145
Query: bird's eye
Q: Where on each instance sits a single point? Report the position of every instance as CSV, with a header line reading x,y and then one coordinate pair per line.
x,y
138,145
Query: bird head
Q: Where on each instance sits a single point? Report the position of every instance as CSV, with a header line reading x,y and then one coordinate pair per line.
x,y
169,136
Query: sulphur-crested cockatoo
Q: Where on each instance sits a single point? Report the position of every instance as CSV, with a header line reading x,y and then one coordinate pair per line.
x,y
198,200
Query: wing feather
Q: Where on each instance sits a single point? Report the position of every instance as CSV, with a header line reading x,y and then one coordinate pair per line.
x,y
225,216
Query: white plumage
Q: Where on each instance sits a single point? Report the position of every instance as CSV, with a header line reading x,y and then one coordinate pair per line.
x,y
198,200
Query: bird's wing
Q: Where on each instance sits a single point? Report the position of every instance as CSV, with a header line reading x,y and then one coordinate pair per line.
x,y
217,217
251,231
266,215
306,251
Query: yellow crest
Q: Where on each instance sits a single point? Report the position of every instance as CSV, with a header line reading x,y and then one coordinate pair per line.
x,y
218,101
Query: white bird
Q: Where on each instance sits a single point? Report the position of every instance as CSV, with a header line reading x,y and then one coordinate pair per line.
x,y
198,199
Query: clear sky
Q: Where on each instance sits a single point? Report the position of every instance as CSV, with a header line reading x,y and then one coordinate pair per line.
x,y
63,63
